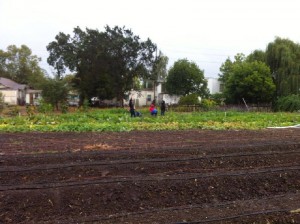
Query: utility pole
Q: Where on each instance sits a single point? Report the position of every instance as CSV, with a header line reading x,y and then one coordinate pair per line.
x,y
155,75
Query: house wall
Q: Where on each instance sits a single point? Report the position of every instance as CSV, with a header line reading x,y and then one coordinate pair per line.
x,y
213,84
169,99
32,98
10,96
141,98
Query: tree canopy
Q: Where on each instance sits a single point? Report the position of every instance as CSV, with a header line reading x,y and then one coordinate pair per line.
x,y
21,66
105,63
251,81
283,57
186,78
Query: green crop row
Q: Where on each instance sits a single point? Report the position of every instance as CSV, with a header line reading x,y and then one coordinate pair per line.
x,y
120,120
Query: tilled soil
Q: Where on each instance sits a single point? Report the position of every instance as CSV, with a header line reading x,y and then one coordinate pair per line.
x,y
195,176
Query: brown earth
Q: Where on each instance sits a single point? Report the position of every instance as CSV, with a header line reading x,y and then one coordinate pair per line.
x,y
195,176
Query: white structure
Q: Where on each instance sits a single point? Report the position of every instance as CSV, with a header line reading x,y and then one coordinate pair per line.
x,y
141,98
13,93
145,97
214,85
33,96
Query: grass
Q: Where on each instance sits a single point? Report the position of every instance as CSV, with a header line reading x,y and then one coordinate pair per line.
x,y
120,120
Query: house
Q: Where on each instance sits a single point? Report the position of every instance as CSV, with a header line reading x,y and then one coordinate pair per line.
x,y
141,98
13,93
33,96
18,94
147,95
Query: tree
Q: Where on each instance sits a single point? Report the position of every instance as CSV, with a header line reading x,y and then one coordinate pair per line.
x,y
186,78
159,72
106,63
21,66
283,57
257,55
226,67
251,81
55,92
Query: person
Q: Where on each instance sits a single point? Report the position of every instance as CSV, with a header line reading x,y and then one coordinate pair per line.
x,y
162,108
131,108
138,114
152,109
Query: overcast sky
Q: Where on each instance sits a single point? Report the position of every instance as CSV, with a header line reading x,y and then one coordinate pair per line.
x,y
203,31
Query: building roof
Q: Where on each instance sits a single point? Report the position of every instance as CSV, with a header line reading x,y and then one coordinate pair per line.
x,y
11,84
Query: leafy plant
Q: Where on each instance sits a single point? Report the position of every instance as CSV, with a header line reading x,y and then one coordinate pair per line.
x,y
2,104
190,99
120,120
288,103
44,107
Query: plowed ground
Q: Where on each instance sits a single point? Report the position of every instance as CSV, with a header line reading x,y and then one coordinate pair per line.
x,y
195,176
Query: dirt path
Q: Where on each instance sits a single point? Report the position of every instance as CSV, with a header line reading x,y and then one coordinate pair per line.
x,y
151,177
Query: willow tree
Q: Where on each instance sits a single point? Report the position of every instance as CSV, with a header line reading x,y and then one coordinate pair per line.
x,y
283,57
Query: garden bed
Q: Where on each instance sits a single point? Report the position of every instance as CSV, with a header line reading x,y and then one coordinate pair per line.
x,y
194,176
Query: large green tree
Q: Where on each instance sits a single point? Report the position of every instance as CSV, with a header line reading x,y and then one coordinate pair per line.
x,y
283,57
257,55
21,66
185,78
251,81
105,63
55,91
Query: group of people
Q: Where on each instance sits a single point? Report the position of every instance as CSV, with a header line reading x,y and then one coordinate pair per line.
x,y
153,110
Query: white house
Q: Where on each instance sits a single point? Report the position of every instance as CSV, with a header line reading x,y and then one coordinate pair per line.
x,y
33,96
13,93
214,85
18,94
146,96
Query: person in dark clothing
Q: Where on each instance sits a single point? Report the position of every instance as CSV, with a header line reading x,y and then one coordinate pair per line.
x,y
162,107
131,108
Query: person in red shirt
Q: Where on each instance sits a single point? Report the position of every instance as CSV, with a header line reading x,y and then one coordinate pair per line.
x,y
152,108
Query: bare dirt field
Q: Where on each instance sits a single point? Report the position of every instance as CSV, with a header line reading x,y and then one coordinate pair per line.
x,y
196,176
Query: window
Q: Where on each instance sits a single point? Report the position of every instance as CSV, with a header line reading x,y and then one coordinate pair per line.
x,y
148,98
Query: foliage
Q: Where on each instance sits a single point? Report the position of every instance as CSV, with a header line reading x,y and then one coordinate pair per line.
x,y
44,107
105,63
249,80
283,57
55,92
190,99
160,72
2,104
208,104
186,78
120,120
226,67
289,103
12,111
257,55
218,98
20,65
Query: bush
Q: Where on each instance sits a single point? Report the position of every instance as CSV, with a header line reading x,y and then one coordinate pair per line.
x,y
191,99
208,104
219,98
44,107
12,111
289,103
2,104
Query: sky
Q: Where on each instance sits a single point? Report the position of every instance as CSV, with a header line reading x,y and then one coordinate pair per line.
x,y
206,32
